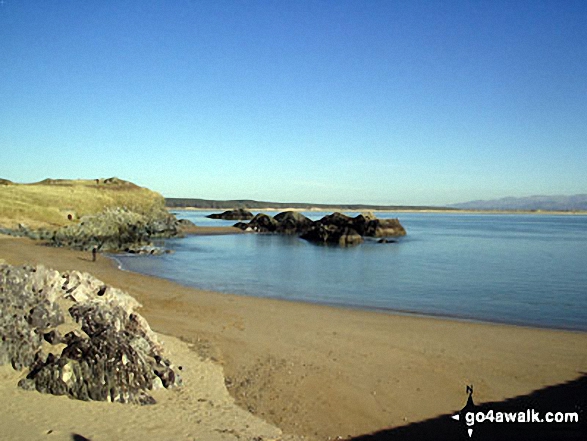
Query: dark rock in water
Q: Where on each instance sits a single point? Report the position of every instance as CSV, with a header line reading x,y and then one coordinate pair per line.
x,y
365,224
373,227
236,214
384,240
292,222
336,219
185,223
332,234
261,223
345,230
335,228
144,249
110,352
385,228
241,225
287,222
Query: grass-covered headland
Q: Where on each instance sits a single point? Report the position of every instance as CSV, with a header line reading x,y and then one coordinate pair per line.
x,y
109,214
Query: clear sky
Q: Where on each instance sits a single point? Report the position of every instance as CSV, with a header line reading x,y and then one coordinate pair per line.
x,y
393,102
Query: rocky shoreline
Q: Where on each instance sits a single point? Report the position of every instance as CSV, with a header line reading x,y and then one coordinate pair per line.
x,y
113,230
110,215
74,335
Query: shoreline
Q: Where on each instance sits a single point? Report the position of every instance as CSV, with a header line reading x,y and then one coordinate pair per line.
x,y
403,210
423,315
322,371
378,310
206,231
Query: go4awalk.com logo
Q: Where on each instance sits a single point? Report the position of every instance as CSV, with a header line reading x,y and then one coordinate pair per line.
x,y
528,420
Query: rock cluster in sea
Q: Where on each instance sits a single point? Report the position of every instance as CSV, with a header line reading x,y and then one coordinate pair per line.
x,y
336,228
76,336
236,214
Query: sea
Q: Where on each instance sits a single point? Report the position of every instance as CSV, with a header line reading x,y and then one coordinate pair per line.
x,y
522,269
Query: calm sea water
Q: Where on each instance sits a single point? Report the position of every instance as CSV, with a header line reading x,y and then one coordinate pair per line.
x,y
520,269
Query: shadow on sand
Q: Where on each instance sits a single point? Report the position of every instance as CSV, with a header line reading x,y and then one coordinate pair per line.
x,y
565,397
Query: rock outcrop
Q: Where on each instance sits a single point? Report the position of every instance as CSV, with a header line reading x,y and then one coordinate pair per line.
x,y
25,231
79,337
117,229
332,234
114,230
344,230
292,222
261,223
287,222
370,226
236,214
184,224
111,214
335,228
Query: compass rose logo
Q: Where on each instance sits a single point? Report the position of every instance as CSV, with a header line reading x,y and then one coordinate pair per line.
x,y
469,407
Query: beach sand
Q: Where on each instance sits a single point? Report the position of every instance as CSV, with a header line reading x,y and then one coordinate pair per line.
x,y
313,371
210,231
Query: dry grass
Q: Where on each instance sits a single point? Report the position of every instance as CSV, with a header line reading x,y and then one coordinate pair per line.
x,y
48,203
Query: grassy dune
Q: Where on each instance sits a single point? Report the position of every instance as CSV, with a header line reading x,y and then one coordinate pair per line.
x,y
48,203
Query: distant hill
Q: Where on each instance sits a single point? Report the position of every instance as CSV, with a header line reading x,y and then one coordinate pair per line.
x,y
251,204
532,203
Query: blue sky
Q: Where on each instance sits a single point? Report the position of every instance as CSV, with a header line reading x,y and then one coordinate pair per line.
x,y
392,102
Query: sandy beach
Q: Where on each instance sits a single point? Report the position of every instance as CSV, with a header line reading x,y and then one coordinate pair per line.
x,y
304,370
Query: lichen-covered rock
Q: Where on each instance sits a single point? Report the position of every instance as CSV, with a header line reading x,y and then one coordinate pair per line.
x,y
78,337
117,229
24,231
114,229
26,311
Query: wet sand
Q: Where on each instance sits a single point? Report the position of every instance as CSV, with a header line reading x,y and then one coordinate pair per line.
x,y
210,231
324,372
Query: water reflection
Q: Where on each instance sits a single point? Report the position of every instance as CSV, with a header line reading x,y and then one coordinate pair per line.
x,y
512,268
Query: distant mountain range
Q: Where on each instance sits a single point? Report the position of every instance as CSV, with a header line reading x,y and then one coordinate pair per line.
x,y
576,202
